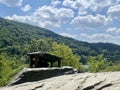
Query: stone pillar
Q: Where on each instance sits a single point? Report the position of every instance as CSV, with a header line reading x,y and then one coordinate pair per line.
x,y
59,63
51,64
31,62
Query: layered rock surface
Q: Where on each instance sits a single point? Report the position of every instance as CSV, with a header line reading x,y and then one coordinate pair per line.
x,y
76,81
36,74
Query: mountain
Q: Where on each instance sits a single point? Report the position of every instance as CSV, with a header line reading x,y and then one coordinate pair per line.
x,y
15,35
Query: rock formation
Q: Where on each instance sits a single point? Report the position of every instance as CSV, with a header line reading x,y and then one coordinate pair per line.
x,y
76,81
36,74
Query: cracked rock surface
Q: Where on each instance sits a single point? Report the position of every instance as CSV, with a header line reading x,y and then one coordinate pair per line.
x,y
77,81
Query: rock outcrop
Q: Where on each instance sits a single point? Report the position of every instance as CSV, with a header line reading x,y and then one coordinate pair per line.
x,y
36,74
76,81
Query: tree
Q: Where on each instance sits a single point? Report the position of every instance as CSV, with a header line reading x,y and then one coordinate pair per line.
x,y
5,70
41,45
83,59
69,59
97,64
113,66
8,68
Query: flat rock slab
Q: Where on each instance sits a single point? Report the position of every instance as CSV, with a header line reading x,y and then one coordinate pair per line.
x,y
36,74
78,81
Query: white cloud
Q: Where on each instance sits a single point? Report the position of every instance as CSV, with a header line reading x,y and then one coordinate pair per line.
x,y
46,16
76,3
49,16
97,5
12,3
94,5
90,21
55,2
68,3
97,37
25,19
113,30
26,8
82,11
114,11
68,35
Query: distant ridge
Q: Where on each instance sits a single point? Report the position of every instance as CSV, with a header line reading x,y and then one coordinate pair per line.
x,y
14,33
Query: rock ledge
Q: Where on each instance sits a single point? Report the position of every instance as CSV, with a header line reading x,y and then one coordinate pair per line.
x,y
36,74
77,81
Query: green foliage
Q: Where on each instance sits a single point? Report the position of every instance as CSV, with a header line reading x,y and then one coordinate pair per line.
x,y
97,64
8,68
15,37
61,50
84,59
113,67
41,45
69,59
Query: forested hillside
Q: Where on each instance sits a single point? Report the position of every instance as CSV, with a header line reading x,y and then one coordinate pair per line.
x,y
15,36
17,39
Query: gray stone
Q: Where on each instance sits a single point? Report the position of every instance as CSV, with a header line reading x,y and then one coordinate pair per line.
x,y
77,81
36,74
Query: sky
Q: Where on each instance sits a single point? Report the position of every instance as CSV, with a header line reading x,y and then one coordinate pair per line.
x,y
85,20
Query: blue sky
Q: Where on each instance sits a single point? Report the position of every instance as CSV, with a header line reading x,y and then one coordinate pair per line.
x,y
85,20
